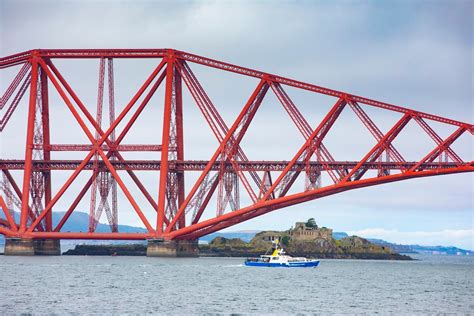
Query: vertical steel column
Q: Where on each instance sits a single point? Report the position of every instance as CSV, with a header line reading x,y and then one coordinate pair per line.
x,y
179,141
165,144
94,213
110,69
46,146
29,142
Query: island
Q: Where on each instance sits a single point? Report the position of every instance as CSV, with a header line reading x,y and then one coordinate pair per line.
x,y
304,239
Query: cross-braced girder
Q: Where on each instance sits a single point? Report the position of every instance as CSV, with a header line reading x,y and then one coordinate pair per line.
x,y
227,177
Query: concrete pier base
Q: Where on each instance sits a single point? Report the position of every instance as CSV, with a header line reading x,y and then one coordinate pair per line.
x,y
30,247
172,248
47,247
188,248
19,247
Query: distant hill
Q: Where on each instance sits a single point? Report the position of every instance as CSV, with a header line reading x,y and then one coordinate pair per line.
x,y
243,235
442,250
411,248
339,235
437,250
79,222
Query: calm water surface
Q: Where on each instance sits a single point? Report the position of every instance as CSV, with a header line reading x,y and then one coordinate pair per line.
x,y
138,285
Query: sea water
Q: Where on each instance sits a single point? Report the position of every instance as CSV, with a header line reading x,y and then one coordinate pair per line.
x,y
139,285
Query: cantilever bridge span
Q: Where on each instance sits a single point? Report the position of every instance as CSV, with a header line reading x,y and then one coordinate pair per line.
x,y
211,200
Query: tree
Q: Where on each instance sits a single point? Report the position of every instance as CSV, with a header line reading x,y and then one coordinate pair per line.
x,y
285,240
311,223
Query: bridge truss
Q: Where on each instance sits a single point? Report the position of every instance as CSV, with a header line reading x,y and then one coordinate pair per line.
x,y
178,211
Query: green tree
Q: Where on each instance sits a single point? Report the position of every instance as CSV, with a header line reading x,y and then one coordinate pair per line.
x,y
285,240
311,223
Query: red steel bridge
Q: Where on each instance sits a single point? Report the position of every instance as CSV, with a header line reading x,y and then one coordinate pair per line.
x,y
220,180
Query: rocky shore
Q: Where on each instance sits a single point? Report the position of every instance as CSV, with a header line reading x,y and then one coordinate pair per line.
x,y
304,240
107,250
222,247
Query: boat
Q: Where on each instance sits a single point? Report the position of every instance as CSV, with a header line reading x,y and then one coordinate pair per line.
x,y
279,258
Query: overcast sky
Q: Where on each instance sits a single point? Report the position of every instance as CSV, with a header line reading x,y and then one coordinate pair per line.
x,y
416,54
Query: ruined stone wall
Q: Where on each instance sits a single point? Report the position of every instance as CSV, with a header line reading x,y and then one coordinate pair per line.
x,y
311,234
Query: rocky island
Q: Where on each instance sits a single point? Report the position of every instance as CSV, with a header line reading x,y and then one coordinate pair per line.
x,y
304,239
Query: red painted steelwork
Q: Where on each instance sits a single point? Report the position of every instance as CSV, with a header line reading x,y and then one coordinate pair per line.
x,y
179,214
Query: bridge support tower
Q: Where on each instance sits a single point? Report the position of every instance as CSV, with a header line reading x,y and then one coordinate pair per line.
x,y
32,247
172,248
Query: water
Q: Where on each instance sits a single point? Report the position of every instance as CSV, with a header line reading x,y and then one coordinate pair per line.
x,y
138,285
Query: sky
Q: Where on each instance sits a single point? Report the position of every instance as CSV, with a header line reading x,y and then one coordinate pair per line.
x,y
416,54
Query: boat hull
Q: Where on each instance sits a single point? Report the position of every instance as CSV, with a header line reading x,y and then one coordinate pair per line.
x,y
307,264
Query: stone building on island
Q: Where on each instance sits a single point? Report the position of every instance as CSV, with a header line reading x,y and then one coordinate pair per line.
x,y
307,233
301,232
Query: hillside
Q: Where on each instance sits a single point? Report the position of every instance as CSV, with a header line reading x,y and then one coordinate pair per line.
x,y
79,222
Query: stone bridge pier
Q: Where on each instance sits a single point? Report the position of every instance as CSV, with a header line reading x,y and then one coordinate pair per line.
x,y
32,247
172,248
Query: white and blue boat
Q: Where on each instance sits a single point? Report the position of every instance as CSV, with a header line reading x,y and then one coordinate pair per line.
x,y
279,258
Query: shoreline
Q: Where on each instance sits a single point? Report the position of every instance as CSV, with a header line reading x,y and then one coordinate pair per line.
x,y
140,250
